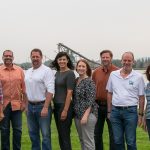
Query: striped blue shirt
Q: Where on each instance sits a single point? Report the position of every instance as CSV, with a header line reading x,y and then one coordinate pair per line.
x,y
147,92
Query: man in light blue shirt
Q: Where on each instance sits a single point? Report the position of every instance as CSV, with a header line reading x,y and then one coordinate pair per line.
x,y
125,91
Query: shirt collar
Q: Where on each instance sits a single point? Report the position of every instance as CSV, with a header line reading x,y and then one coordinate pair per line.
x,y
107,69
12,68
129,75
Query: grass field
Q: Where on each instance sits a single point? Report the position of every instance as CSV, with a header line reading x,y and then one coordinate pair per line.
x,y
142,138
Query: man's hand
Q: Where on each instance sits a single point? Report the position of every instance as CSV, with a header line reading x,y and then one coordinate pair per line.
x,y
23,106
144,124
44,112
140,122
108,115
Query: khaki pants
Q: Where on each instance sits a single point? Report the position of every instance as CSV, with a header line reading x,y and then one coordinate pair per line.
x,y
86,132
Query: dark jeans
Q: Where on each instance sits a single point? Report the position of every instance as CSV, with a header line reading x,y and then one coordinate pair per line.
x,y
15,117
148,126
36,123
0,132
124,124
63,127
102,116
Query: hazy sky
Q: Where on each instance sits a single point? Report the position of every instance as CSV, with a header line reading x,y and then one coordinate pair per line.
x,y
87,26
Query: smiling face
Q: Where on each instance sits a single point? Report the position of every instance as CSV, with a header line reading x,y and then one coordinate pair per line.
x,y
36,59
8,58
127,61
81,68
62,62
106,59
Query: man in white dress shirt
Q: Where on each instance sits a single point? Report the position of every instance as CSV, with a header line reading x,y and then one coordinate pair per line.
x,y
39,82
125,91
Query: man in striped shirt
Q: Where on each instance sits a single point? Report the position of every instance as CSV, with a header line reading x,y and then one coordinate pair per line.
x,y
1,103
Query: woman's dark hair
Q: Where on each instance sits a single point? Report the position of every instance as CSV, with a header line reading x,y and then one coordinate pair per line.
x,y
89,70
54,64
147,72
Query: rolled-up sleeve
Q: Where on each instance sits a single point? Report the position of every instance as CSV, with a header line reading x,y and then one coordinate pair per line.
x,y
49,80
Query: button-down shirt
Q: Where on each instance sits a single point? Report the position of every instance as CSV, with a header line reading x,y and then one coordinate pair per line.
x,y
100,77
13,85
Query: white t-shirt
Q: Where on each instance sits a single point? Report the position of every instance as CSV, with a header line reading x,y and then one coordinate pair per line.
x,y
38,82
126,91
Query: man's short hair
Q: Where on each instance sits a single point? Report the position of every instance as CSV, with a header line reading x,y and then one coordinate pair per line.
x,y
8,51
107,51
129,52
36,50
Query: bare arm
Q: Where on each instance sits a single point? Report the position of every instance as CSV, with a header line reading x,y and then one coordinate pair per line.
x,y
24,102
141,104
141,109
109,104
48,99
67,104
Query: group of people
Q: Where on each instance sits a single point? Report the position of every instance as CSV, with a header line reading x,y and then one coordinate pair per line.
x,y
108,94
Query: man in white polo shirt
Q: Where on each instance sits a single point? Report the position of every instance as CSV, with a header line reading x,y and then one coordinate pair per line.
x,y
39,82
125,91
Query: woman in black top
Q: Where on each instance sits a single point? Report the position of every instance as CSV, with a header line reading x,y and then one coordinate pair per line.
x,y
64,85
85,108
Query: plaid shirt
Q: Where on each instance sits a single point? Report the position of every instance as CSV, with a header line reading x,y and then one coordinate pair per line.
x,y
1,94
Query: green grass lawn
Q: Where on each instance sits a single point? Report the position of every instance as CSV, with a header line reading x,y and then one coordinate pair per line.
x,y
142,138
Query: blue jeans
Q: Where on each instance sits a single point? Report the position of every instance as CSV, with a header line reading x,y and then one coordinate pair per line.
x,y
148,126
124,124
15,117
36,123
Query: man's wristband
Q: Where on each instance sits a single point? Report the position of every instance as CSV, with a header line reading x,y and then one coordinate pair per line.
x,y
141,114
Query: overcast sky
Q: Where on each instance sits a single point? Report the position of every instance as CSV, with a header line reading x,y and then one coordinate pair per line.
x,y
86,26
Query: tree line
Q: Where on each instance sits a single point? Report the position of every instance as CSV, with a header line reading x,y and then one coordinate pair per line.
x,y
140,63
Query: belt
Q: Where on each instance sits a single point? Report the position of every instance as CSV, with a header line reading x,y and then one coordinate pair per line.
x,y
101,102
36,103
124,107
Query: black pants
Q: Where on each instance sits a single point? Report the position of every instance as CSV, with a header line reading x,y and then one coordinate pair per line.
x,y
63,127
98,135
